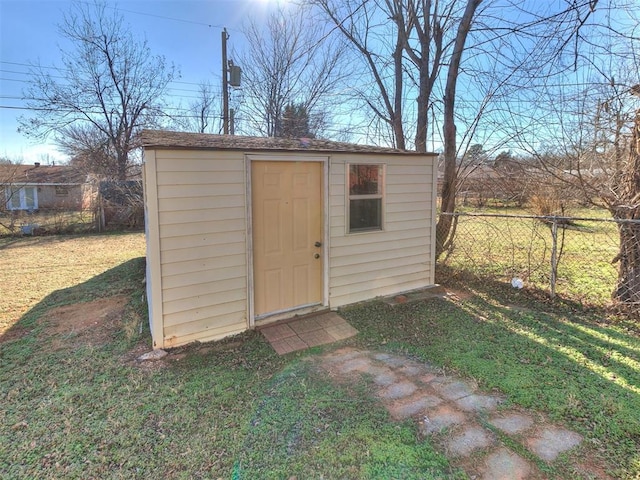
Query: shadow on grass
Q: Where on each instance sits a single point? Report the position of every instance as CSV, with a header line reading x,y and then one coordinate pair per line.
x,y
556,357
306,425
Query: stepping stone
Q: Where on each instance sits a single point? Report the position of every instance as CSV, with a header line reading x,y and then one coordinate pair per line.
x,y
471,439
427,378
412,369
360,364
390,360
454,390
441,418
381,356
478,403
552,441
376,370
385,378
398,390
512,423
412,406
506,465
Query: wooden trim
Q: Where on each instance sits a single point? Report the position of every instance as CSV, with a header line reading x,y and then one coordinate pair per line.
x,y
152,230
326,231
251,321
285,157
432,221
348,197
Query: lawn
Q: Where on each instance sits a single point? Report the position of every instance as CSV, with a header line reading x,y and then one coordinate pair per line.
x,y
74,403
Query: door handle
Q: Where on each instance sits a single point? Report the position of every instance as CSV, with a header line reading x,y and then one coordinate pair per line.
x,y
318,244
316,256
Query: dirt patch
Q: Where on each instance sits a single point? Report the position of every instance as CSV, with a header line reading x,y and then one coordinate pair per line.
x,y
459,294
93,323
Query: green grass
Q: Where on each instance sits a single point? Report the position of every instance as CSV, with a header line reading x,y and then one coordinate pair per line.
x,y
235,409
557,358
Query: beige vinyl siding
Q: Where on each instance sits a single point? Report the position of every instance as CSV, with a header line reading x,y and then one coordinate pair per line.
x,y
203,258
398,258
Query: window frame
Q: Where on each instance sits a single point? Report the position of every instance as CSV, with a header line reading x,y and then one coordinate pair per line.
x,y
21,191
381,195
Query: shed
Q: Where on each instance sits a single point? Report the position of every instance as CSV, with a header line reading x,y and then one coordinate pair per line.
x,y
244,231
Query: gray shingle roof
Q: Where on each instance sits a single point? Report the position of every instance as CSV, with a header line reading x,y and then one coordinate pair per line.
x,y
32,174
166,140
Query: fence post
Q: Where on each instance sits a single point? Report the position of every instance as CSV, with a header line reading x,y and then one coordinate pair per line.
x,y
554,255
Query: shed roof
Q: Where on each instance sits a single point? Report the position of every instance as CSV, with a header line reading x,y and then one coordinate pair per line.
x,y
166,139
41,174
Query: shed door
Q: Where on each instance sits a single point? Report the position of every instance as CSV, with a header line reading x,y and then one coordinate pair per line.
x,y
287,235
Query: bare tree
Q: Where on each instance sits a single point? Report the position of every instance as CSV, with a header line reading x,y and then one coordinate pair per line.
x,y
288,60
414,53
628,209
89,150
590,124
112,83
202,114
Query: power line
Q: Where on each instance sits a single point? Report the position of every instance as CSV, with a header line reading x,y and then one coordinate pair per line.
x,y
62,71
164,17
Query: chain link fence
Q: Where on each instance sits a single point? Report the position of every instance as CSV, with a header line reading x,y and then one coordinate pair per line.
x,y
46,222
113,206
577,258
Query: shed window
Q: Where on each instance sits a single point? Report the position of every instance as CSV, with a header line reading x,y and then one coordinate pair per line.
x,y
62,191
366,192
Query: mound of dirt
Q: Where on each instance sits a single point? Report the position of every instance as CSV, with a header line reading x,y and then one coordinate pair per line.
x,y
92,323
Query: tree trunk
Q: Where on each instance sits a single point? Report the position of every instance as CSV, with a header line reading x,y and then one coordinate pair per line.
x,y
628,208
396,115
123,161
628,288
449,181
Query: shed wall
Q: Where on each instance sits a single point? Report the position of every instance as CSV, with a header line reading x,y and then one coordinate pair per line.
x,y
202,231
196,203
398,258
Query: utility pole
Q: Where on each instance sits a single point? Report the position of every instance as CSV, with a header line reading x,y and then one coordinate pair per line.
x,y
225,86
231,75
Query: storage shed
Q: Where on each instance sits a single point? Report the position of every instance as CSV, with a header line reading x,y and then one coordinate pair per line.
x,y
244,231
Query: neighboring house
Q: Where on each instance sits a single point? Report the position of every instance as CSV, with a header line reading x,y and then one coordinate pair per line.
x,y
34,187
244,231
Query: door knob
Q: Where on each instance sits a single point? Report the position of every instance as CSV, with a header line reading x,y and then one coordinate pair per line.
x,y
317,255
318,244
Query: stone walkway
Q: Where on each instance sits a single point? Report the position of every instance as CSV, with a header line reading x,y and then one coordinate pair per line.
x,y
466,424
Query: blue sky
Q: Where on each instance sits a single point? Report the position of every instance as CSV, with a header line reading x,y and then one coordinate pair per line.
x,y
187,33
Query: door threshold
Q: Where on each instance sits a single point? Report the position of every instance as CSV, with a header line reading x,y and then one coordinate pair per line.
x,y
280,317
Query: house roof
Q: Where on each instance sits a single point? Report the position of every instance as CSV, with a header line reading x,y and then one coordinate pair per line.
x,y
162,139
41,174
